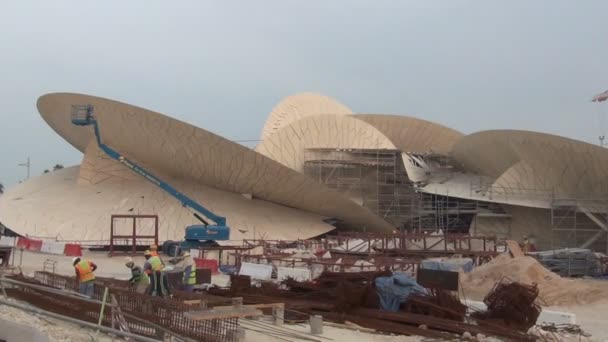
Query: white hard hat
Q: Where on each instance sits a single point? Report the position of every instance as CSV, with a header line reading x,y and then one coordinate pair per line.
x,y
128,260
74,259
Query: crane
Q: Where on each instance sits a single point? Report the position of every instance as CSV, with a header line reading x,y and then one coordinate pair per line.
x,y
195,235
601,97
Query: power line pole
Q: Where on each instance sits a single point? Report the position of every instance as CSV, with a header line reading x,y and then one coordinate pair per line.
x,y
27,164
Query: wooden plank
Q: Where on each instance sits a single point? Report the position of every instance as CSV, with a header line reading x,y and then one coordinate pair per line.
x,y
217,313
514,249
254,306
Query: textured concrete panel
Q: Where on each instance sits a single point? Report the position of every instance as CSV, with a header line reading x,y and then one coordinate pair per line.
x,y
295,107
188,153
413,134
537,161
53,205
288,145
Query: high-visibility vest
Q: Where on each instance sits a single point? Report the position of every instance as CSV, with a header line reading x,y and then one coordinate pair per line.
x,y
85,272
191,280
139,276
155,263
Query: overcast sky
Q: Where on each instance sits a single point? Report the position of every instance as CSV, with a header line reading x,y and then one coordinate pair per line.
x,y
223,65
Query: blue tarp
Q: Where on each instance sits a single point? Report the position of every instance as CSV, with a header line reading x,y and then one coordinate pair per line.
x,y
454,265
394,290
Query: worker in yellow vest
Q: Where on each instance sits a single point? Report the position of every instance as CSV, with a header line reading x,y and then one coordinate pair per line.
x,y
84,273
189,273
153,267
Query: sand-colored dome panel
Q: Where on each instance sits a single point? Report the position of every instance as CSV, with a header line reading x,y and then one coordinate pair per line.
x,y
53,205
412,134
291,144
295,107
564,166
184,152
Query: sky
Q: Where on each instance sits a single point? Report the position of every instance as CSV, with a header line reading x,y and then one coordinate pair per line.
x,y
223,65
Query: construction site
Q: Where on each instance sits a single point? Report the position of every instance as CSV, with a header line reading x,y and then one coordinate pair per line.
x,y
390,245
236,220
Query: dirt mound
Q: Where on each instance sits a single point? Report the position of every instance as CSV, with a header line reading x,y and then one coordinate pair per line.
x,y
554,290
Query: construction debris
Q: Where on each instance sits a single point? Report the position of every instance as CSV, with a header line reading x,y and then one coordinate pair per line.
x,y
144,315
553,289
559,333
512,305
353,297
573,262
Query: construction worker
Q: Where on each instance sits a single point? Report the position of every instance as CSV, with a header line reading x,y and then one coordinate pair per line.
x,y
526,245
154,250
84,273
153,267
189,273
139,279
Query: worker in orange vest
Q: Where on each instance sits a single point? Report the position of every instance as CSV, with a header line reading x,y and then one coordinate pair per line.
x,y
84,273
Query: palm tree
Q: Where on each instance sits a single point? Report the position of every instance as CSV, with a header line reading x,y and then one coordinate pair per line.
x,y
46,171
57,167
1,188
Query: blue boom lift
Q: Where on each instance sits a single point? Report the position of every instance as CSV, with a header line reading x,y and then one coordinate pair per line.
x,y
198,235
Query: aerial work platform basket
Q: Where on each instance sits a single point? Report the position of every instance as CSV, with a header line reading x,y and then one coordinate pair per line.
x,y
82,115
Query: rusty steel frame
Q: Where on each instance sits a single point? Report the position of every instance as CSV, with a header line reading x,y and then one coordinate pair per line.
x,y
134,236
461,243
144,314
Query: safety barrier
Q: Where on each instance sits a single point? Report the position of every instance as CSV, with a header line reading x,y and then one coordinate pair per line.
x,y
208,264
72,249
49,246
7,241
29,244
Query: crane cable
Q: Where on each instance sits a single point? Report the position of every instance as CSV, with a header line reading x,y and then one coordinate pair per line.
x,y
601,114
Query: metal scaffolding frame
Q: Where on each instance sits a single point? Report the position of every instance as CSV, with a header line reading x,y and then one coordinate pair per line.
x,y
375,178
579,223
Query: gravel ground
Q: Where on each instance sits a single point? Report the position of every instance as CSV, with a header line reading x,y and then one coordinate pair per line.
x,y
55,330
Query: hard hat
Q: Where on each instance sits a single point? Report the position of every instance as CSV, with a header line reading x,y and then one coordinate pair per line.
x,y
186,254
153,247
74,259
147,252
128,260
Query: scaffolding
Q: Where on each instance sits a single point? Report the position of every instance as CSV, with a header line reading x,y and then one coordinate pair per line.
x,y
374,178
377,180
450,214
579,223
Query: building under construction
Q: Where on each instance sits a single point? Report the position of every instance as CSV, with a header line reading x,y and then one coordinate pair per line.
x,y
378,181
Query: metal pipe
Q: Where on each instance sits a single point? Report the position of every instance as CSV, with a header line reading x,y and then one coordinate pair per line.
x,y
103,306
76,321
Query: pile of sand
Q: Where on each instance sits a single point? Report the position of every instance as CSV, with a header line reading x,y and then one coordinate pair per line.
x,y
554,290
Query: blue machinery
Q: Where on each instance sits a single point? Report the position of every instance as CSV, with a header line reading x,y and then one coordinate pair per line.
x,y
83,115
